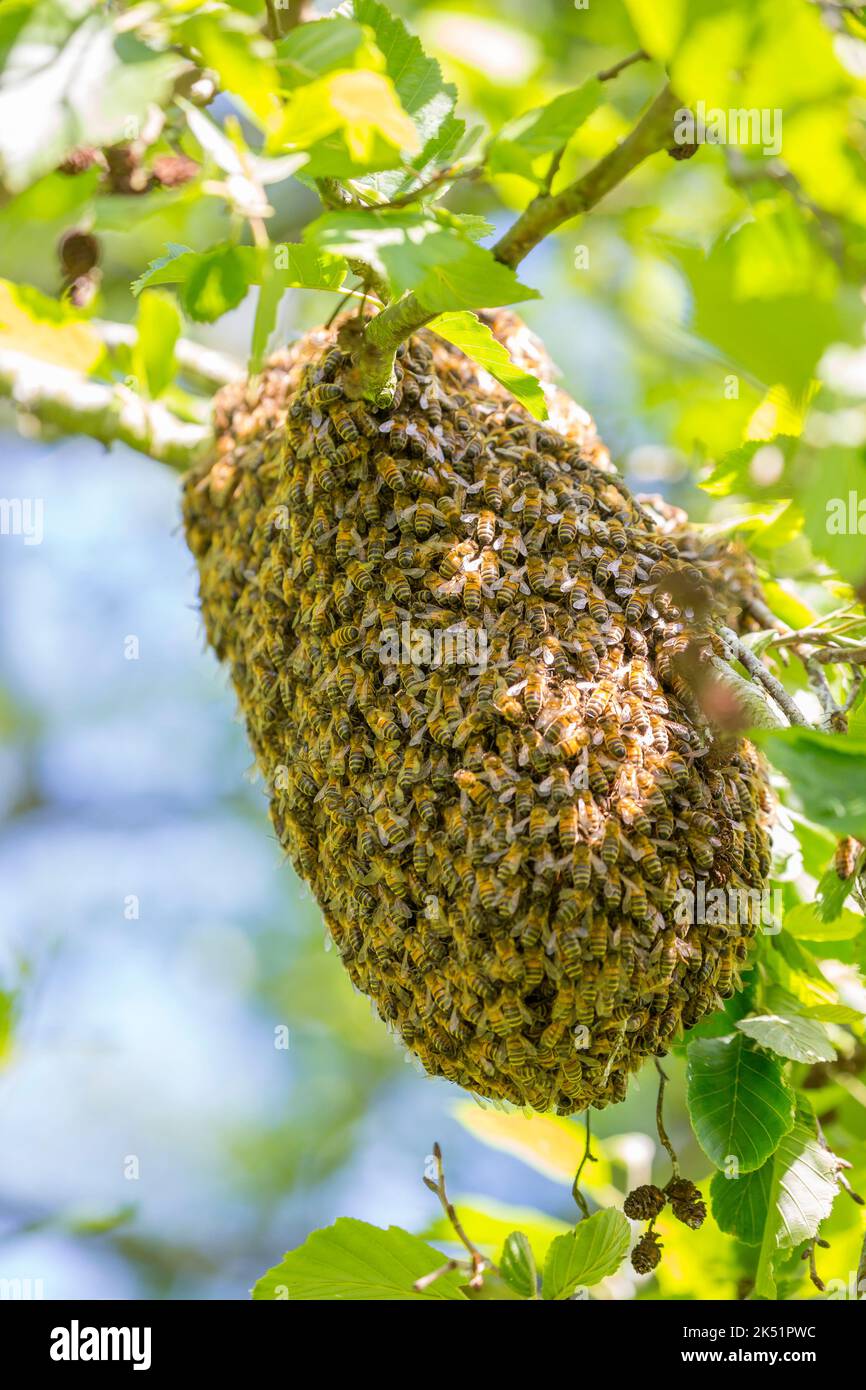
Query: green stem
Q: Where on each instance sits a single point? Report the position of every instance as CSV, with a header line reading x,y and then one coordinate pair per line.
x,y
385,332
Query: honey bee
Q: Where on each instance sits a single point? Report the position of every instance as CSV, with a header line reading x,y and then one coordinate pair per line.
x,y
361,575
569,826
649,861
612,741
391,828
398,584
489,890
846,856
510,545
598,609
508,589
610,849
536,574
725,977
530,503
357,756
389,472
472,590
382,725
344,637
492,492
582,867
440,730
398,436
369,503
485,527
324,394
425,515
489,568
331,363
344,424
636,902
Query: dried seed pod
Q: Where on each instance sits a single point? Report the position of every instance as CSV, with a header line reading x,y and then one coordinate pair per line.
x,y
173,170
78,160
686,1202
647,1253
644,1203
518,777
78,253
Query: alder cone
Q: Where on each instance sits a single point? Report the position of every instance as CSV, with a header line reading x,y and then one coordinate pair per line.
x,y
497,847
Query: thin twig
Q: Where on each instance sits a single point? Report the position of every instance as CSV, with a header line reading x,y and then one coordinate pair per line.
x,y
660,1121
478,1262
588,1157
607,74
653,132
758,671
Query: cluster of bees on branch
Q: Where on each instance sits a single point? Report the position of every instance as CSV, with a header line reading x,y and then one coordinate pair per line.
x,y
498,849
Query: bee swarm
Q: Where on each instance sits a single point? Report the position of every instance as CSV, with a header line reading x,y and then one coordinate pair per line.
x,y
497,848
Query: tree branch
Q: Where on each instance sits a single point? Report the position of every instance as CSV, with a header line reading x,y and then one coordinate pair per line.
x,y
73,404
201,365
653,132
384,333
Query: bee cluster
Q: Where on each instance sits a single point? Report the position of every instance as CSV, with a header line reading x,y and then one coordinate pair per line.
x,y
497,849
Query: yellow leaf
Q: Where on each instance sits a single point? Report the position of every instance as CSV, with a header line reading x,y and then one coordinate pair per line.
x,y
549,1144
363,105
33,324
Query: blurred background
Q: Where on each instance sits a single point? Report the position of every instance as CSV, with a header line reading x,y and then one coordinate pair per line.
x,y
157,1138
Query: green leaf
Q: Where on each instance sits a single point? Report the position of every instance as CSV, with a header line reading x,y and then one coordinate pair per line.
x,y
305,267
171,269
317,47
543,130
466,331
241,57
158,327
517,1265
740,471
218,282
212,282
593,1250
81,80
827,773
416,251
806,922
350,121
423,93
778,340
793,1036
789,1198
417,79
739,1102
658,26
289,266
741,1204
834,503
353,1261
